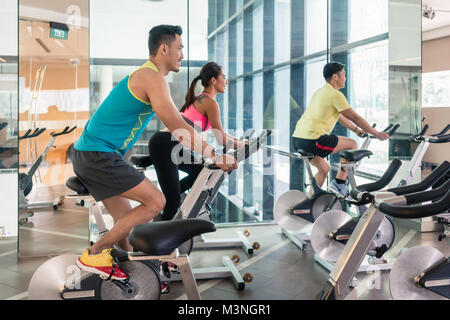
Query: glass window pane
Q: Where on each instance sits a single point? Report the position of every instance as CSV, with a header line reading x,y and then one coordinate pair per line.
x,y
282,30
258,37
314,77
369,65
316,26
436,89
367,18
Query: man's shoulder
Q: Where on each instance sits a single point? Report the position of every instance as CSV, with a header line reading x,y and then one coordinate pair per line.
x,y
146,79
147,74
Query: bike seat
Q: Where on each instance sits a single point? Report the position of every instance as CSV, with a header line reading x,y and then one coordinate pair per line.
x,y
161,238
305,153
142,161
355,155
75,184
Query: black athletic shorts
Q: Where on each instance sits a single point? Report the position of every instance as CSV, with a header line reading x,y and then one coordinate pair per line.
x,y
105,174
321,147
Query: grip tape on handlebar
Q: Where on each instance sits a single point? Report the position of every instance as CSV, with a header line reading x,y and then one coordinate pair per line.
x,y
382,182
415,212
430,180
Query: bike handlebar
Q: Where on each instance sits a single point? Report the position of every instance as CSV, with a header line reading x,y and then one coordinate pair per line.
x,y
245,152
440,139
430,180
415,212
65,131
390,130
380,183
35,133
443,132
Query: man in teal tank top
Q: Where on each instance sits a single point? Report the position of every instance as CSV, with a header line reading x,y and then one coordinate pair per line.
x,y
113,130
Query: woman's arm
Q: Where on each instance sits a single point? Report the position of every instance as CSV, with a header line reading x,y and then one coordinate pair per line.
x,y
211,108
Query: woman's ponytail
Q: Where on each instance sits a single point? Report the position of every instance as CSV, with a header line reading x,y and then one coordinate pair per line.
x,y
208,71
190,95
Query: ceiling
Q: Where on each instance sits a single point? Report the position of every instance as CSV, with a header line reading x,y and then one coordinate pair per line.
x,y
442,19
61,6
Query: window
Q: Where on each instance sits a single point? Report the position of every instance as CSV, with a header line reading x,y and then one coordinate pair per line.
x,y
436,89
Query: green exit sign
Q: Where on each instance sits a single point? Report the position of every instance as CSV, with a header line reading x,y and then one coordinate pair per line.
x,y
58,34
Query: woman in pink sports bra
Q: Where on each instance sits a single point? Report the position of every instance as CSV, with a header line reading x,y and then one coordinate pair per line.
x,y
201,112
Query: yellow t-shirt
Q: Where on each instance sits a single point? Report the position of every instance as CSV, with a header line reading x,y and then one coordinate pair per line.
x,y
322,113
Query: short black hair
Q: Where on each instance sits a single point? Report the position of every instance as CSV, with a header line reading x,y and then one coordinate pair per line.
x,y
331,68
163,33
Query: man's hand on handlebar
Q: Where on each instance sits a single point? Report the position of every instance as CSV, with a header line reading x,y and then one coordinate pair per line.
x,y
360,132
382,135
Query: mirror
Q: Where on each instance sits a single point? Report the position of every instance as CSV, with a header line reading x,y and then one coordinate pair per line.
x,y
53,95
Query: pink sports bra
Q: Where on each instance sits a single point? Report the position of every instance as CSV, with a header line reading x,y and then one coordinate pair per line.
x,y
192,114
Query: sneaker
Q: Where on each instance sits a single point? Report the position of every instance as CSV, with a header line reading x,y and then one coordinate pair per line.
x,y
339,188
101,264
165,288
168,268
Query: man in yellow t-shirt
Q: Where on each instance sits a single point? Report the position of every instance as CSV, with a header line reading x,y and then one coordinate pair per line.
x,y
313,130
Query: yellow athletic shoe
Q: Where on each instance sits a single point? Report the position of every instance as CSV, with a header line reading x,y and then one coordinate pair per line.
x,y
101,264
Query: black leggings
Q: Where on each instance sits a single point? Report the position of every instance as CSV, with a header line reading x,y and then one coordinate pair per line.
x,y
160,147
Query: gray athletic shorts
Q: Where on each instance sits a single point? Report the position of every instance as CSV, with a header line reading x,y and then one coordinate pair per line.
x,y
105,174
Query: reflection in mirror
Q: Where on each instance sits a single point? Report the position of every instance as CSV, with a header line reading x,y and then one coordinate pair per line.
x,y
53,95
8,128
405,64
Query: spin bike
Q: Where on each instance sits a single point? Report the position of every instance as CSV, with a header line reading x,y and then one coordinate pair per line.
x,y
295,212
197,204
421,272
200,197
201,194
60,278
153,243
332,230
26,179
327,249
361,238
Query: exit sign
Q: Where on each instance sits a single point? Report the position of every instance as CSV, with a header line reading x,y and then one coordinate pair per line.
x,y
59,30
58,34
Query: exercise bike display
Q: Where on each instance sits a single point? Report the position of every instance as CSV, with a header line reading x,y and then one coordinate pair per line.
x,y
26,179
361,238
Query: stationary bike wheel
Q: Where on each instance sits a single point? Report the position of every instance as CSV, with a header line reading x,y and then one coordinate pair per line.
x,y
52,276
411,263
321,203
324,246
145,284
283,207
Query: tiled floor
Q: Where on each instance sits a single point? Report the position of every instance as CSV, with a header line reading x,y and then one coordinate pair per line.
x,y
280,269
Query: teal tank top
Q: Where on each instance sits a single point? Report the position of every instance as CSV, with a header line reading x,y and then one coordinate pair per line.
x,y
119,121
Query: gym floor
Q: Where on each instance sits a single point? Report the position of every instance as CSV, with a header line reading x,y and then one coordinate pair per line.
x,y
281,271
